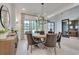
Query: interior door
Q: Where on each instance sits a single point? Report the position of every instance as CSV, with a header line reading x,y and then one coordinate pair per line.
x,y
78,28
65,27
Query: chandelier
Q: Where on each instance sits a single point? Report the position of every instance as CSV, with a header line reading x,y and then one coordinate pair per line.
x,y
42,16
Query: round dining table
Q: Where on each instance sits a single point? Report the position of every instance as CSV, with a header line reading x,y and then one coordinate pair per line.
x,y
40,39
39,36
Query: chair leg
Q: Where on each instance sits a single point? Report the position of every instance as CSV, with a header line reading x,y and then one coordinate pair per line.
x,y
27,47
31,48
50,52
55,50
59,45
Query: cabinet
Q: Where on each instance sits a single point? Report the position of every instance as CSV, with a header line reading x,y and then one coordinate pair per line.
x,y
73,33
7,46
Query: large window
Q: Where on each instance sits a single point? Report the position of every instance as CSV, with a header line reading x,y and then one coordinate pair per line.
x,y
26,25
37,25
51,25
32,24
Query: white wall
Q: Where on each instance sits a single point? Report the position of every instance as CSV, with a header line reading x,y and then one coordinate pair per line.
x,y
58,26
71,14
13,16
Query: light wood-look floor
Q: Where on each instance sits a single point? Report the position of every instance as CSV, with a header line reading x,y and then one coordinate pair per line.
x,y
69,46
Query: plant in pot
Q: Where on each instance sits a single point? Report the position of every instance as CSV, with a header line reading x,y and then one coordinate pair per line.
x,y
4,33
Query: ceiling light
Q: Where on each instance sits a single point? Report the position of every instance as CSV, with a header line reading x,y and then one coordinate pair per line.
x,y
23,9
70,22
41,16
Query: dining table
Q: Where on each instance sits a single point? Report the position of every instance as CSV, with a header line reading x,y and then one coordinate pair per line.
x,y
40,39
39,36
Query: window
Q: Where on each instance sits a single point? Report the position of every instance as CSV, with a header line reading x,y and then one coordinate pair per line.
x,y
37,25
51,25
26,25
32,24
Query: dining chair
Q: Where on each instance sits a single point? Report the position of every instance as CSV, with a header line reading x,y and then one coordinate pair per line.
x,y
30,41
59,39
42,33
51,41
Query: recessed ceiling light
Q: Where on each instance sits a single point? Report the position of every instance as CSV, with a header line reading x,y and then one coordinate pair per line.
x,y
23,9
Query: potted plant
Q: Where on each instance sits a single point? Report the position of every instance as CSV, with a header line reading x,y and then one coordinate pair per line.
x,y
4,33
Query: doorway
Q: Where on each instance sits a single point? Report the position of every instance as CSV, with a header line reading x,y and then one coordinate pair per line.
x,y
65,27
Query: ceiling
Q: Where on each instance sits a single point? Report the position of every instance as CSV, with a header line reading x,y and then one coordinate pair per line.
x,y
35,8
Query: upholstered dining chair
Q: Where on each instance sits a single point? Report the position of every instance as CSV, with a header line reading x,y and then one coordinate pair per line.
x,y
59,39
42,33
30,41
51,41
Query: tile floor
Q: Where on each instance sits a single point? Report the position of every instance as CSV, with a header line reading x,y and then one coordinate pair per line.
x,y
69,46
